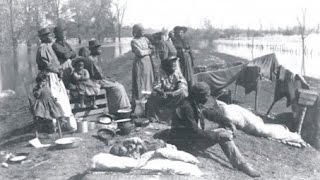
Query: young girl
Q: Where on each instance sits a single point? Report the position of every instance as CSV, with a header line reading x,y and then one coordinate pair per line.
x,y
85,86
45,108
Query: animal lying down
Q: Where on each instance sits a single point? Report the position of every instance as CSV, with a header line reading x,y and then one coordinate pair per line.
x,y
250,123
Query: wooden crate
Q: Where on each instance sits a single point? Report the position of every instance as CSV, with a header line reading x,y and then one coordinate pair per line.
x,y
306,97
90,113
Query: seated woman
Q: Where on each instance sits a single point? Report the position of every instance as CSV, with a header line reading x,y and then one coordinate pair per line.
x,y
169,89
84,85
116,94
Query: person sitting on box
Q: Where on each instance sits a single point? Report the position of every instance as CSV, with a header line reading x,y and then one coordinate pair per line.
x,y
84,85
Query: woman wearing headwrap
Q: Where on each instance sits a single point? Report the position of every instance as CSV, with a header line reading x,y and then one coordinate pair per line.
x,y
142,70
64,53
184,53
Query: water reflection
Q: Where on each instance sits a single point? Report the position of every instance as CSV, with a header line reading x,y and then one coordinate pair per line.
x,y
20,74
287,49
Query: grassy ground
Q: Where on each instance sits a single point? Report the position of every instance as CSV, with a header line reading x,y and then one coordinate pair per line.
x,y
273,159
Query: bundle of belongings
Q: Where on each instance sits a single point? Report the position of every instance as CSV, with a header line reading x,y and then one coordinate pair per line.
x,y
165,159
250,123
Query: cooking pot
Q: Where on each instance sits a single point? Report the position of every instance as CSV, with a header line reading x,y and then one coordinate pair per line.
x,y
125,126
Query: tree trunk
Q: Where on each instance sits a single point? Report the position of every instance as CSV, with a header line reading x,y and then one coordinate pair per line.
x,y
252,44
119,32
15,67
303,70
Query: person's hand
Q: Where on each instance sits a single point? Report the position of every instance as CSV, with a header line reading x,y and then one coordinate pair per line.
x,y
224,134
60,74
169,94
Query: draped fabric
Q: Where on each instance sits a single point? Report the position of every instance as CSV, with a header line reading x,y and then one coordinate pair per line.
x,y
248,78
219,79
268,65
286,85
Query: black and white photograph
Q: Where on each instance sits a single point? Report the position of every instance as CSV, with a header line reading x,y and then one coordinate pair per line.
x,y
159,89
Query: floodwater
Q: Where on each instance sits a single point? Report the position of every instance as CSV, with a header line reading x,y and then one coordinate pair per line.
x,y
20,76
288,50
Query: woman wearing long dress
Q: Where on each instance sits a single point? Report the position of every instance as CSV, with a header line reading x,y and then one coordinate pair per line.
x,y
116,94
142,70
47,62
184,53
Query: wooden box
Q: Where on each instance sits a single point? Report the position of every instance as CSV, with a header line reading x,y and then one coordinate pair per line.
x,y
88,112
306,97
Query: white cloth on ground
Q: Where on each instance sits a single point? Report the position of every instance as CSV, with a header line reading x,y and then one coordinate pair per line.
x,y
250,123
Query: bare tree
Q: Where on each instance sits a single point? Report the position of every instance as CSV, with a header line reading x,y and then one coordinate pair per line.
x,y
303,34
120,11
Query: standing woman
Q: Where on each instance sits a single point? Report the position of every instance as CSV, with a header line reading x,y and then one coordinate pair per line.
x,y
184,53
142,70
48,63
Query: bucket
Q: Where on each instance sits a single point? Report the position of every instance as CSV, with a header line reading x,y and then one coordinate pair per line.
x,y
82,125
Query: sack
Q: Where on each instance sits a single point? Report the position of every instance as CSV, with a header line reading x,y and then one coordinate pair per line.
x,y
174,154
172,167
109,162
145,158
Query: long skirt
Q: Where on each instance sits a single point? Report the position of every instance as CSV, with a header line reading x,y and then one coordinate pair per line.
x,y
59,92
186,67
142,77
67,71
116,95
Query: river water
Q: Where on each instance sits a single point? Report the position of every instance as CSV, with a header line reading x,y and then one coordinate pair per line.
x,y
22,78
287,49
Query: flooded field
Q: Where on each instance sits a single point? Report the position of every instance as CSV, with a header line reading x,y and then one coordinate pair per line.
x,y
288,50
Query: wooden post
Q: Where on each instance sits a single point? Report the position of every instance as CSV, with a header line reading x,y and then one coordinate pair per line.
x,y
59,128
301,119
256,96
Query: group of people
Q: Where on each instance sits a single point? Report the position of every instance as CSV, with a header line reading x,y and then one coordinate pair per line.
x,y
172,88
175,89
62,70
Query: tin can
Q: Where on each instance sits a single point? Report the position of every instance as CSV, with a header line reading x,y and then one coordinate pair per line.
x,y
91,125
82,125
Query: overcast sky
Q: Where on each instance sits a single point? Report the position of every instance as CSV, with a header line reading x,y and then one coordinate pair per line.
x,y
222,13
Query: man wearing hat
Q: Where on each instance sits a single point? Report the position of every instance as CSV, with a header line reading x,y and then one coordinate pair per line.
x,y
184,53
188,134
169,89
47,62
116,94
64,53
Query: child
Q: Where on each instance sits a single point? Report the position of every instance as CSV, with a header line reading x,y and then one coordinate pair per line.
x,y
45,108
85,86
